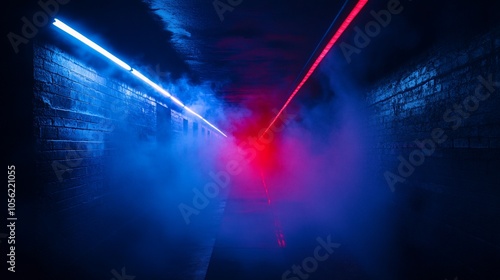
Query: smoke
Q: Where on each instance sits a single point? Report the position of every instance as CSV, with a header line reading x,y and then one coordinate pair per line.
x,y
318,173
154,177
138,177
329,154
311,178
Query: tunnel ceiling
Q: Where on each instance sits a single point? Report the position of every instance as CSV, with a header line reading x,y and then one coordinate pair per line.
x,y
253,53
256,49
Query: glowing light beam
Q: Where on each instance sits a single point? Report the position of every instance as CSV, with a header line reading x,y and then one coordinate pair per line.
x,y
324,52
151,83
125,66
61,25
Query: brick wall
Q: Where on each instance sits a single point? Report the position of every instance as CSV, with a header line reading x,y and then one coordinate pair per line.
x,y
81,116
447,200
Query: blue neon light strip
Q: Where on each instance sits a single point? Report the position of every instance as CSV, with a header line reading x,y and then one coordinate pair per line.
x,y
91,44
125,66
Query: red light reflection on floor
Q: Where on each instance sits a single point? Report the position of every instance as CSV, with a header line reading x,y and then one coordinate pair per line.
x,y
280,237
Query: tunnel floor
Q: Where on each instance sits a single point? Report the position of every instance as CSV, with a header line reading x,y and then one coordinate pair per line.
x,y
251,232
255,241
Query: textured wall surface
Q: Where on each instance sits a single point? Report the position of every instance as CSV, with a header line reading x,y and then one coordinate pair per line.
x,y
438,148
81,117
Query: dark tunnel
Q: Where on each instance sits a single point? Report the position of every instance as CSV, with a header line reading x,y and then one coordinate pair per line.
x,y
238,139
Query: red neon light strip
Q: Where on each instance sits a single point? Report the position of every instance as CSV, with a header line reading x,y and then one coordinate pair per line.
x,y
336,36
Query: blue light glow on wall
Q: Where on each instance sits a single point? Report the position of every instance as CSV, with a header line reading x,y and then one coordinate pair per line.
x,y
125,66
